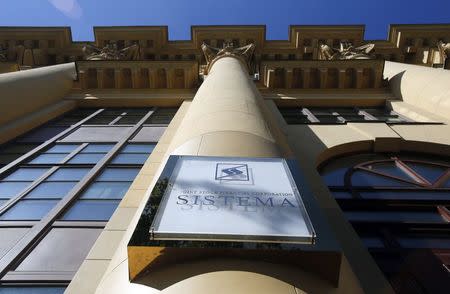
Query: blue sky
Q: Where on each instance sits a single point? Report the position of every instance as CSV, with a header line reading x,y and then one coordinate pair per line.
x,y
179,15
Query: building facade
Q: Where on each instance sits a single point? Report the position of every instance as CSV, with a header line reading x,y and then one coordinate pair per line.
x,y
89,131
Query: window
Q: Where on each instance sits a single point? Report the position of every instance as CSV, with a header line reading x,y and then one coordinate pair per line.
x,y
102,196
162,116
11,152
340,115
398,204
69,180
31,290
92,154
134,154
56,253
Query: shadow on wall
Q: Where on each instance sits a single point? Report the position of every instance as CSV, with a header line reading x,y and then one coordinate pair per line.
x,y
272,273
395,84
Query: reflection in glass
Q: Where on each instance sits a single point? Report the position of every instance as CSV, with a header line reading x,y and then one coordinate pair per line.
x,y
91,210
138,148
439,243
130,158
363,178
68,174
31,290
49,158
62,148
118,174
106,190
395,216
88,158
28,210
11,189
26,174
97,148
51,190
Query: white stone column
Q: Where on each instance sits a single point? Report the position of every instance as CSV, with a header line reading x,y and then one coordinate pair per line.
x,y
226,117
30,90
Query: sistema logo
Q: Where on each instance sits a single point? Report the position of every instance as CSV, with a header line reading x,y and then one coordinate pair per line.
x,y
232,172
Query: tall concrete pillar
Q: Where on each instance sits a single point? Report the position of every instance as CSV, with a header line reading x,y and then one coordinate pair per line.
x,y
227,116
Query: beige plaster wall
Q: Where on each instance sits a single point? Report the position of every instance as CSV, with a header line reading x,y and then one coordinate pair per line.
x,y
27,91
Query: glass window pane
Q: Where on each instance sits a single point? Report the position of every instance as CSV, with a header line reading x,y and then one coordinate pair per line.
x,y
406,195
447,184
118,174
69,174
341,195
87,158
429,172
162,116
62,148
363,178
100,120
26,174
61,250
328,119
42,134
51,190
48,159
334,176
138,148
31,290
354,117
129,120
91,210
372,242
322,111
7,158
97,148
19,148
395,216
11,189
29,210
437,243
391,169
107,190
130,158
135,111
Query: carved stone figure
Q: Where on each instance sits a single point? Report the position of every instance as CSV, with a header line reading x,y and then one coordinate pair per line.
x,y
346,51
111,52
3,53
444,49
24,55
245,53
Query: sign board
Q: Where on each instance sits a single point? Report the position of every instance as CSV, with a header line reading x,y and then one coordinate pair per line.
x,y
233,199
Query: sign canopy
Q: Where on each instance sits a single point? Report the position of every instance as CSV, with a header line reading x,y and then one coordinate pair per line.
x,y
233,199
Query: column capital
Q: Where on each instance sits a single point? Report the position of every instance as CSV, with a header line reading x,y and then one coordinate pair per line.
x,y
244,54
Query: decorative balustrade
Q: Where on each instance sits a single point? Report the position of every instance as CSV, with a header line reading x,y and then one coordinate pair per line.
x,y
137,74
321,74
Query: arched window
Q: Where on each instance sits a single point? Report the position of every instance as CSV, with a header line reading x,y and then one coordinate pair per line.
x,y
399,204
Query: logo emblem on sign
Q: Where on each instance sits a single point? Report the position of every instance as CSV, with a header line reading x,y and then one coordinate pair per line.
x,y
232,172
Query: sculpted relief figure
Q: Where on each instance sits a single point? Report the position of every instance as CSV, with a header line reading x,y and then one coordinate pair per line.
x,y
245,53
111,52
3,53
25,55
444,50
346,51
